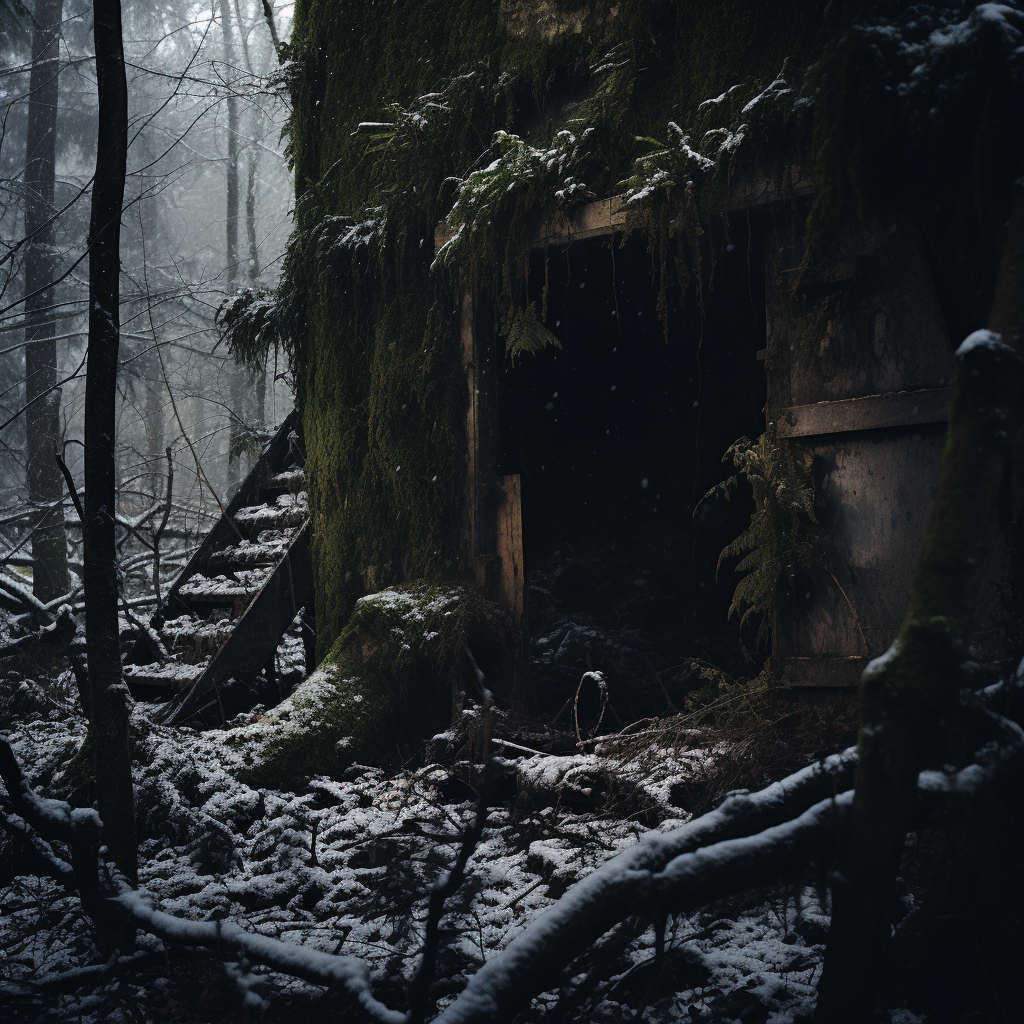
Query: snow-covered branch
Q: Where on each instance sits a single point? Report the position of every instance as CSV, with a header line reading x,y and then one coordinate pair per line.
x,y
669,864
348,973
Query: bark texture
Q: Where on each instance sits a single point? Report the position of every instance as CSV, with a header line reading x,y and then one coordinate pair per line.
x,y
109,699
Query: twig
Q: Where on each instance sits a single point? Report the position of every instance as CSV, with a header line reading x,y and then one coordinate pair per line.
x,y
268,13
200,472
518,748
526,892
54,819
448,884
25,596
69,480
58,633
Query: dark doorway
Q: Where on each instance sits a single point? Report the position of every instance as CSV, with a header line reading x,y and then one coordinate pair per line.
x,y
617,437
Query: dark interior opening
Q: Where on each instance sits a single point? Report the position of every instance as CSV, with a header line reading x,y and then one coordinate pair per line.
x,y
617,437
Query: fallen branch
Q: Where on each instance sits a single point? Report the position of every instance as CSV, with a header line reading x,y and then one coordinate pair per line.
x,y
750,840
348,973
81,828
78,977
625,885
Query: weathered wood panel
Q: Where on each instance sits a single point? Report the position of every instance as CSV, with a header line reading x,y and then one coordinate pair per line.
x,y
511,577
874,494
859,364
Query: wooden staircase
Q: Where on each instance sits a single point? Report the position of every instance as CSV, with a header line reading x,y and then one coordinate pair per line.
x,y
226,614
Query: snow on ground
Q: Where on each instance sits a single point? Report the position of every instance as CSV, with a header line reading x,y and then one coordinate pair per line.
x,y
346,865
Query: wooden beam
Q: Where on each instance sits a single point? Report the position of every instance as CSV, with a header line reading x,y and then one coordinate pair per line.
x,y
511,580
900,409
604,217
607,216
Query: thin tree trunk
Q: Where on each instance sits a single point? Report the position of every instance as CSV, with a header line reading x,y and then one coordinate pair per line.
x,y
42,417
154,414
109,699
236,399
259,377
910,697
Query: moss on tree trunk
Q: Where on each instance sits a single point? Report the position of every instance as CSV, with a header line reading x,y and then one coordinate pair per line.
x,y
385,684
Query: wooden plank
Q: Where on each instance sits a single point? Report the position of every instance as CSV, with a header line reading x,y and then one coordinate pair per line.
x,y
258,632
830,672
604,217
511,581
750,191
904,408
471,368
512,585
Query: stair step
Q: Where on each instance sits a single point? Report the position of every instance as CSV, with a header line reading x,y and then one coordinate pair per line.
x,y
223,591
164,676
288,511
248,554
190,639
289,481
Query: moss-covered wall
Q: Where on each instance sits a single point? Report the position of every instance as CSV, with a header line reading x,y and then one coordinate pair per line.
x,y
597,98
373,328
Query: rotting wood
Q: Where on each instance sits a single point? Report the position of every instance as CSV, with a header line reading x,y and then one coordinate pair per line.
x,y
261,585
467,334
594,220
510,545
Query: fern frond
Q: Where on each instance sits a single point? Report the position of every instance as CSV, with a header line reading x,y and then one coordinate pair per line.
x,y
783,540
525,333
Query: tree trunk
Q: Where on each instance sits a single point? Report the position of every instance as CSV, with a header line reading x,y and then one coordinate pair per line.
x,y
231,224
109,699
42,426
259,377
910,696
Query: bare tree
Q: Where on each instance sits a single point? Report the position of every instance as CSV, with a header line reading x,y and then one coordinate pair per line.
x,y
108,698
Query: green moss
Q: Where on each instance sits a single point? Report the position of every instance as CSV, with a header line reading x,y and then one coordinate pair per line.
x,y
494,116
385,683
371,329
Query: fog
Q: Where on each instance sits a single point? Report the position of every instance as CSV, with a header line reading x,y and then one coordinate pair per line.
x,y
206,103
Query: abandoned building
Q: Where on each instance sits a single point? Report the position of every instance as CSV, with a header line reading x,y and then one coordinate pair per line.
x,y
553,261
